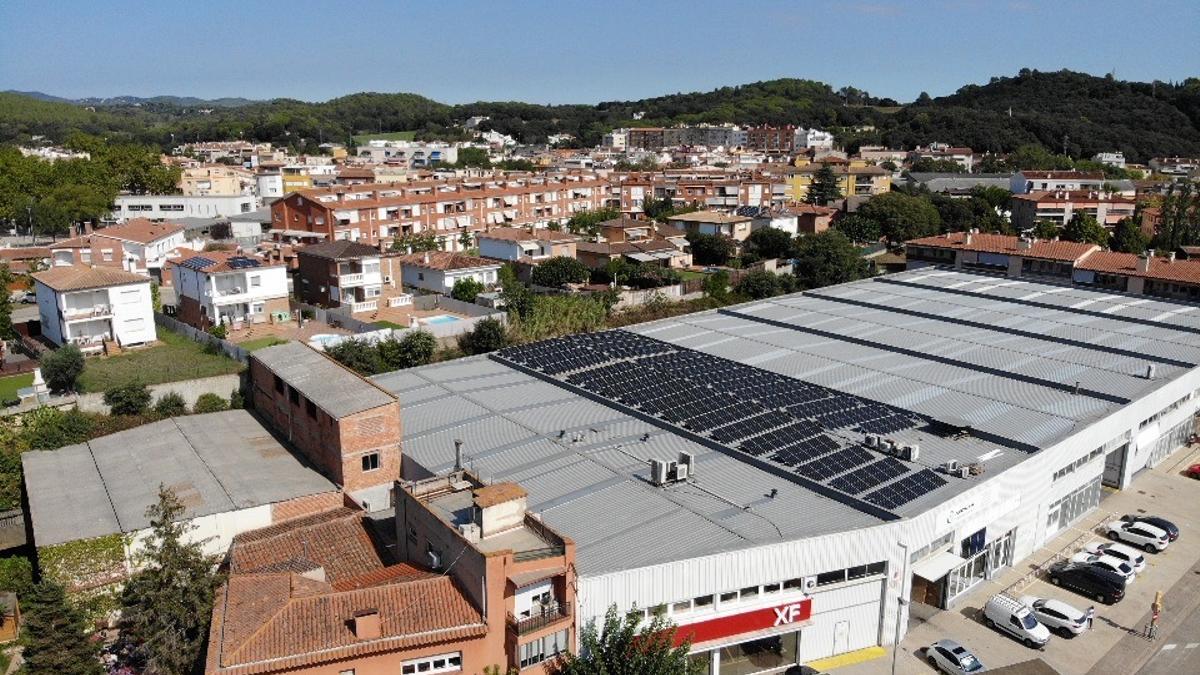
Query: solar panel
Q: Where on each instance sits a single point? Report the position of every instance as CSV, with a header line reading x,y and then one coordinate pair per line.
x,y
834,464
869,476
906,489
241,262
198,262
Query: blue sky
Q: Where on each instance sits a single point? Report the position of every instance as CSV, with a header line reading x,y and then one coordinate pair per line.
x,y
575,51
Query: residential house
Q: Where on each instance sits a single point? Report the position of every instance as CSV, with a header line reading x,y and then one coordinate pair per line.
x,y
811,218
90,251
878,154
88,306
1116,159
438,271
216,179
733,226
1145,274
345,274
1061,206
813,139
408,153
228,288
1025,182
636,241
964,157
147,244
855,178
346,426
525,244
1175,166
25,259
645,138
772,139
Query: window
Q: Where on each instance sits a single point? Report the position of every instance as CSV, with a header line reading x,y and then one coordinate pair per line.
x,y
681,607
793,584
106,254
370,462
346,672
442,663
729,596
749,592
293,396
255,280
279,384
767,589
702,601
541,649
420,276
311,409
85,256
827,578
857,572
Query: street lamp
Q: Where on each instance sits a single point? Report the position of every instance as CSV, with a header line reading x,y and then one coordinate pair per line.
x,y
899,605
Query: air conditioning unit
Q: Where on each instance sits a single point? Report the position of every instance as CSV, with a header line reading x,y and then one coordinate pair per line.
x,y
688,460
681,472
964,472
951,466
658,472
470,532
889,446
872,441
808,584
910,453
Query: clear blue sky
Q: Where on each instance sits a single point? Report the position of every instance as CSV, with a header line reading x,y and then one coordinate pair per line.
x,y
561,51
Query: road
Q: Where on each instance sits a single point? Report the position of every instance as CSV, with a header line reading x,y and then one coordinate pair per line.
x,y
1178,650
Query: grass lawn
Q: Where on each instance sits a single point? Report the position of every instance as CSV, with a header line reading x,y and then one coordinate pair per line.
x,y
9,385
688,275
174,358
389,324
269,341
389,136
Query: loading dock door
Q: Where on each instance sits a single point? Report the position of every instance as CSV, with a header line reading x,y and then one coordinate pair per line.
x,y
1114,466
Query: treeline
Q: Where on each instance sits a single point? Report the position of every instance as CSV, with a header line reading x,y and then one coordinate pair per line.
x,y
1064,111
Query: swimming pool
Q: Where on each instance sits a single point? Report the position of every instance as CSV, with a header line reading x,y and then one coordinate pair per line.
x,y
322,339
440,318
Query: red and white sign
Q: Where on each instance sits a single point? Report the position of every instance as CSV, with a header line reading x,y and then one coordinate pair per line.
x,y
746,622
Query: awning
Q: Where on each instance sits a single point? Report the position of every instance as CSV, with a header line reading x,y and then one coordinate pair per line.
x,y
526,578
510,200
938,566
640,257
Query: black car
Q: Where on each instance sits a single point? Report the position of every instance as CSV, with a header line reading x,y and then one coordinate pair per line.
x,y
1165,525
1094,582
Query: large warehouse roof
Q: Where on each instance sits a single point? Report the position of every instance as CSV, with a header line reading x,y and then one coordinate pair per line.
x,y
216,463
973,368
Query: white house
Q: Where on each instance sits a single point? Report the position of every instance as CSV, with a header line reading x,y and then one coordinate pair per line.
x,y
147,245
438,271
515,243
85,306
180,206
228,288
813,138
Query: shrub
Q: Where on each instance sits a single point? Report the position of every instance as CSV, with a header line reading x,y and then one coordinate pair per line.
x,y
218,332
466,289
209,403
51,428
236,400
16,574
488,336
130,399
759,284
414,348
170,404
559,271
716,285
358,355
62,368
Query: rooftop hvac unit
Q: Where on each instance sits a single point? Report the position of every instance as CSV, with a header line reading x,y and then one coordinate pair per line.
x,y
951,466
470,532
687,462
658,472
681,472
872,441
910,453
964,472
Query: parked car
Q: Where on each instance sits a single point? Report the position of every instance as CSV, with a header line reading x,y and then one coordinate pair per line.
x,y
1143,535
1120,567
1005,614
1193,471
1089,580
1056,615
950,657
1127,554
1161,523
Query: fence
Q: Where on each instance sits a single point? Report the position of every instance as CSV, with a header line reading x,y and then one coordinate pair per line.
x,y
634,298
436,301
174,325
337,316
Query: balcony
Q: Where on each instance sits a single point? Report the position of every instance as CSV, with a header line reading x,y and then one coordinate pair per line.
x,y
83,313
400,300
364,306
350,280
542,617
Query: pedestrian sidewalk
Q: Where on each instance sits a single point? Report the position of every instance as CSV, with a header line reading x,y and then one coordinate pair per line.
x,y
1162,491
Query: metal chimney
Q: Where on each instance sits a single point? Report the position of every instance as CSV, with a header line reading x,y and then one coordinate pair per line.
x,y
458,464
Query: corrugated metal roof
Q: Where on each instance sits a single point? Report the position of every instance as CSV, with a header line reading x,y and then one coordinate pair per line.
x,y
333,388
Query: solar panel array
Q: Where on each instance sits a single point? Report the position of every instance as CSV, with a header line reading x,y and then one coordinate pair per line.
x,y
811,431
198,262
238,262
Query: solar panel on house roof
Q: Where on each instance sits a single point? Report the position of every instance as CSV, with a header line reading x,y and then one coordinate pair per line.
x,y
198,262
242,262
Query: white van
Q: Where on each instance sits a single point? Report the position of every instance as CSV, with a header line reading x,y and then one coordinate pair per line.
x,y
1010,616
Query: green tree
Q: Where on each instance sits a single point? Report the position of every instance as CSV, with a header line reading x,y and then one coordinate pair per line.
x,y
170,404
488,335
209,402
54,635
466,240
1046,229
768,242
167,604
711,249
759,284
416,243
414,348
1179,224
52,428
466,288
1129,238
129,399
358,355
516,297
1084,228
932,165
858,229
716,285
155,297
901,217
824,188
560,271
473,157
623,647
827,258
587,222
6,327
236,400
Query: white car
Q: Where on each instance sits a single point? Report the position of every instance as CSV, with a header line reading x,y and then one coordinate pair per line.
x,y
1106,562
950,657
1129,555
1056,615
1143,535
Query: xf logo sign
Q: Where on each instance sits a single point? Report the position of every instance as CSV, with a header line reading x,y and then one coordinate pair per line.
x,y
789,613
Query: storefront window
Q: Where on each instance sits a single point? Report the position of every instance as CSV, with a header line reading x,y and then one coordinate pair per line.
x,y
700,664
778,651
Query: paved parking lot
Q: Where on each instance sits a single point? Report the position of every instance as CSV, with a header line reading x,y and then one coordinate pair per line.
x,y
1116,644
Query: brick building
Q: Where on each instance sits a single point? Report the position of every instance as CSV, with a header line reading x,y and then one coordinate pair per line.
x,y
348,427
337,273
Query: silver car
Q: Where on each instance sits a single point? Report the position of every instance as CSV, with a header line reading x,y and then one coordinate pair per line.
x,y
1128,554
950,657
1056,615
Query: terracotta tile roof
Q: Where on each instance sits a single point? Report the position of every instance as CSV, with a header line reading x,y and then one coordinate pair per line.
x,y
335,540
223,261
272,623
840,170
1067,251
498,493
82,241
24,253
445,260
709,217
383,575
809,209
1125,264
140,230
522,234
78,278
341,249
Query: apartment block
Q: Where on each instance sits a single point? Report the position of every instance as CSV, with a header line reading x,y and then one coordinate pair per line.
x,y
87,307
1060,206
222,288
345,273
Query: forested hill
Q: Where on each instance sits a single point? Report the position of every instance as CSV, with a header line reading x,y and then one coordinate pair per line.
x,y
1086,113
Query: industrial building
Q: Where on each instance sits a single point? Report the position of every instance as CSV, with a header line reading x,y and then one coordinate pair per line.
x,y
776,476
